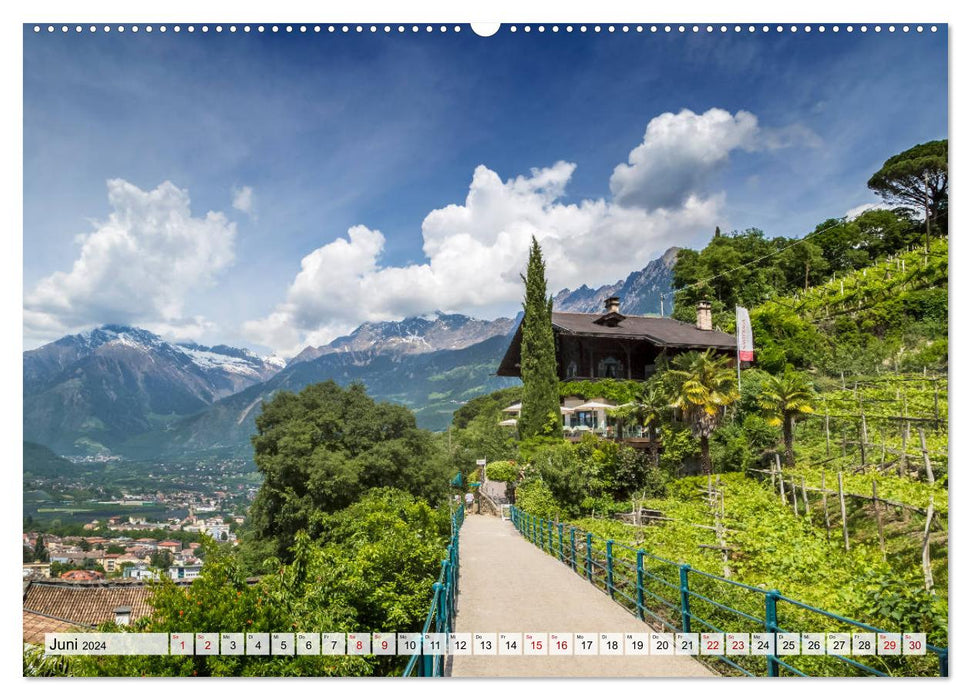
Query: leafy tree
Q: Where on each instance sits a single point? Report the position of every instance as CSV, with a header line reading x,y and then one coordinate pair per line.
x,y
784,398
535,498
321,449
884,232
296,597
482,438
114,549
701,385
382,555
161,559
726,273
565,475
916,178
84,545
40,551
491,404
28,554
540,413
803,265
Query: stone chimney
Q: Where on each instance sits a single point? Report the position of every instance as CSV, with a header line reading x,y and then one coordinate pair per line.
x,y
612,305
704,316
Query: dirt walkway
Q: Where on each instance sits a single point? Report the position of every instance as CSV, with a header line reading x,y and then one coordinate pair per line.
x,y
508,585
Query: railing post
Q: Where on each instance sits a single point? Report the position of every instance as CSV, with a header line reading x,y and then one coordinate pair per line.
x,y
549,530
942,663
445,623
559,527
589,557
573,548
640,584
610,568
685,600
772,626
453,583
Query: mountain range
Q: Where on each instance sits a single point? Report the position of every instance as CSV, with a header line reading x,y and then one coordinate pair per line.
x,y
127,391
412,336
96,389
640,294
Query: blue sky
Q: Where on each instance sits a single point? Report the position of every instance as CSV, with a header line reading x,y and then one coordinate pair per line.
x,y
403,173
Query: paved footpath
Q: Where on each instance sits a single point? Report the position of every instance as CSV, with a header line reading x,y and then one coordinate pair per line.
x,y
507,584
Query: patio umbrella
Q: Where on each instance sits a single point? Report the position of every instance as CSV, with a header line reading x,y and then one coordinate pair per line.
x,y
593,406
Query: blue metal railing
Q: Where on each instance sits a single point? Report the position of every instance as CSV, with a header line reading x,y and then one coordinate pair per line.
x,y
677,598
441,611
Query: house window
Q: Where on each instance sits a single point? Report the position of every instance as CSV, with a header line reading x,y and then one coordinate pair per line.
x,y
571,369
610,367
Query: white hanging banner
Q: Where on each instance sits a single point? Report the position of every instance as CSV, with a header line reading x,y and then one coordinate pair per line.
x,y
743,333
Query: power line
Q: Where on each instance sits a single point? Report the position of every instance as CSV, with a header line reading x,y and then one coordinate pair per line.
x,y
841,221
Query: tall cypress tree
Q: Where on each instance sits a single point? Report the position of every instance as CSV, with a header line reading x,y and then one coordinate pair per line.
x,y
540,414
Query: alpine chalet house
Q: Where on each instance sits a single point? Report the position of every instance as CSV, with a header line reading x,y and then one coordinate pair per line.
x,y
613,346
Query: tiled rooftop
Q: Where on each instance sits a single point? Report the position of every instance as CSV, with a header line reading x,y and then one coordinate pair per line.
x,y
87,602
36,626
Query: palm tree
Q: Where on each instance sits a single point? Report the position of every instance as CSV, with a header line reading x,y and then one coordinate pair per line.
x,y
647,409
784,398
701,385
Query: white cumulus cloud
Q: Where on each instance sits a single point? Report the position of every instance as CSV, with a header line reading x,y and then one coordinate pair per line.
x,y
476,250
678,154
138,266
243,200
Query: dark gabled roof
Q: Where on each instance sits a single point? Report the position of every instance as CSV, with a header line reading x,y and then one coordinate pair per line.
x,y
660,331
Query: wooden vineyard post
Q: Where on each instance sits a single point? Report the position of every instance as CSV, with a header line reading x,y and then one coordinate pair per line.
x,y
805,498
826,409
782,482
927,457
720,531
863,438
825,505
795,500
876,509
925,556
905,435
846,533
